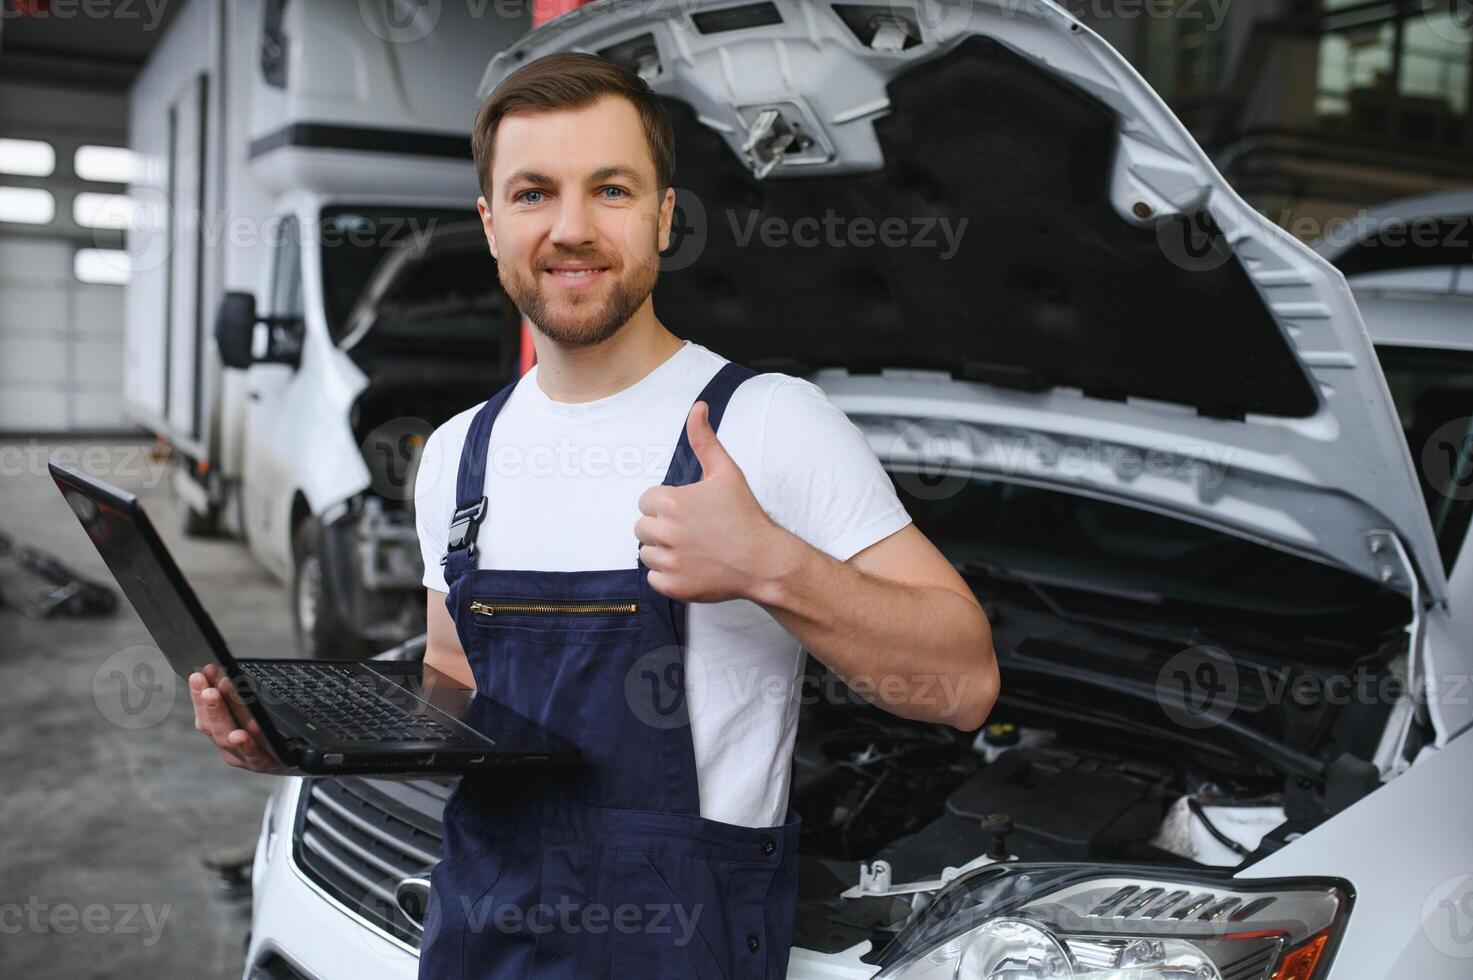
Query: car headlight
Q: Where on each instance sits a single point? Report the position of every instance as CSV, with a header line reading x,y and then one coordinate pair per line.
x,y
1062,922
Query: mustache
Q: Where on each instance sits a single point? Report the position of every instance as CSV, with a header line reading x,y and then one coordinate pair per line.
x,y
598,260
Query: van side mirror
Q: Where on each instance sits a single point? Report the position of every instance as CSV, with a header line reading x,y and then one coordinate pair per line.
x,y
244,337
234,323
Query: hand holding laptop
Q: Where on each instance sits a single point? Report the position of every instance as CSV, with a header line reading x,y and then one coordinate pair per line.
x,y
220,715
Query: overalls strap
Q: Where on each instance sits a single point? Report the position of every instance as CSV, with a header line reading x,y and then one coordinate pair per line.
x,y
684,467
470,489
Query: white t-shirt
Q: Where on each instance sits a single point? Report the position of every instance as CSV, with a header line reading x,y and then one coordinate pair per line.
x,y
563,483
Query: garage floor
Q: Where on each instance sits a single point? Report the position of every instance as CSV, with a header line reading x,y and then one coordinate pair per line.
x,y
105,826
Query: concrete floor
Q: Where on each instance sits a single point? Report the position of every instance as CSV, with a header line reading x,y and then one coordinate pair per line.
x,y
105,826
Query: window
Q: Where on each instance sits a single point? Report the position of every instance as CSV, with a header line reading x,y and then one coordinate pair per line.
x,y
27,158
1395,70
27,205
1417,243
92,210
105,266
114,164
286,273
1433,392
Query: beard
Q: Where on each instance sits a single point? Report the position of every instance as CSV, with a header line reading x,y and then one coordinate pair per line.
x,y
578,319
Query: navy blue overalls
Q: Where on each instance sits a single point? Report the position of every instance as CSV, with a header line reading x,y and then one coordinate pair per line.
x,y
605,868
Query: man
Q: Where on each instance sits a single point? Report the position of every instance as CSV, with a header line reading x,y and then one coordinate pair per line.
x,y
648,620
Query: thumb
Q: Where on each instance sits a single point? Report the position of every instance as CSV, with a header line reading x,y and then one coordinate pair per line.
x,y
708,449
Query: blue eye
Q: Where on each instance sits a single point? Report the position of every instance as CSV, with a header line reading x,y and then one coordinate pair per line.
x,y
619,189
523,196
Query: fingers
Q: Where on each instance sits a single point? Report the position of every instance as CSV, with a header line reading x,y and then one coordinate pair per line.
x,y
645,529
231,697
220,714
656,558
654,500
703,442
197,685
252,751
218,723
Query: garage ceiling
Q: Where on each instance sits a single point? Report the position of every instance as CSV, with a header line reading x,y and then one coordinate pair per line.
x,y
80,42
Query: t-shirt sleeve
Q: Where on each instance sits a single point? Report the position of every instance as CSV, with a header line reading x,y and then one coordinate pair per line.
x,y
433,505
820,478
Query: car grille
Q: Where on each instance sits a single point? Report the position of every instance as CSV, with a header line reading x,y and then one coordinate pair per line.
x,y
357,838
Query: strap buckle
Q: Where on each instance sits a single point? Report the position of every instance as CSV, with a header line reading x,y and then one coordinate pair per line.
x,y
463,530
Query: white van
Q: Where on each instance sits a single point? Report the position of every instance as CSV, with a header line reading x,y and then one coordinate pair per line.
x,y
288,149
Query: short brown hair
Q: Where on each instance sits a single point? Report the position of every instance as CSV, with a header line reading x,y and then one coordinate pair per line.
x,y
572,80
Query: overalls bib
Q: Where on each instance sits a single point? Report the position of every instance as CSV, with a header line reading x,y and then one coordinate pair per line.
x,y
604,868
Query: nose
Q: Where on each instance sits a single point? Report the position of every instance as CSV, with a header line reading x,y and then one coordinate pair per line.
x,y
572,226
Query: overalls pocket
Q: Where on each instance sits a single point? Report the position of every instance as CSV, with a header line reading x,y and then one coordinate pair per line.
x,y
662,932
570,921
554,621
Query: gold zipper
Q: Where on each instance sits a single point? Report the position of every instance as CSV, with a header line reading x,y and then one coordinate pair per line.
x,y
551,608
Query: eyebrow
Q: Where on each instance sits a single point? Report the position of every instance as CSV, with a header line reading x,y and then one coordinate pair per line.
x,y
602,173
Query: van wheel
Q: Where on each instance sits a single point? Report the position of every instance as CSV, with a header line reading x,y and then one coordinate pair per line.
x,y
321,633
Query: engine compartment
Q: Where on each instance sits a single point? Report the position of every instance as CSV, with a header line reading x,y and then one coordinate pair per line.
x,y
1081,772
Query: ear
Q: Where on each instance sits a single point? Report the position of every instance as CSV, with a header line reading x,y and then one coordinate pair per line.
x,y
667,217
484,210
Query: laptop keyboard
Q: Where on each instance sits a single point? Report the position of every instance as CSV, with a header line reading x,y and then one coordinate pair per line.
x,y
342,702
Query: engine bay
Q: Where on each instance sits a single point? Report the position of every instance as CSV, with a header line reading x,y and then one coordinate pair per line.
x,y
1070,768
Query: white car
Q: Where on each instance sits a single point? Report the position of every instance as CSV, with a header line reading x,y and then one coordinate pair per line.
x,y
1148,425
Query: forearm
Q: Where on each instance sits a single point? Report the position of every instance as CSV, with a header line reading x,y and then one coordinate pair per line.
x,y
918,651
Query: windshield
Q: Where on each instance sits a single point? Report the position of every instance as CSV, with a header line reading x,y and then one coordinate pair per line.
x,y
1433,392
356,239
1114,559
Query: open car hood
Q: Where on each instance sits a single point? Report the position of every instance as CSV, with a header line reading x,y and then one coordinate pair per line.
x,y
1101,290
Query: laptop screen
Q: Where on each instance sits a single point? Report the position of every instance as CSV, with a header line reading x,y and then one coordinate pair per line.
x,y
146,573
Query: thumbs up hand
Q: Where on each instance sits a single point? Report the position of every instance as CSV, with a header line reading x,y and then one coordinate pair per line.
x,y
704,542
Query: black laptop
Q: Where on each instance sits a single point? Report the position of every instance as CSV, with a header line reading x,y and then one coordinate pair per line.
x,y
319,717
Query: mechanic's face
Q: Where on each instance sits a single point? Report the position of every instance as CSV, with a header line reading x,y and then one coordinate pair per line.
x,y
574,218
